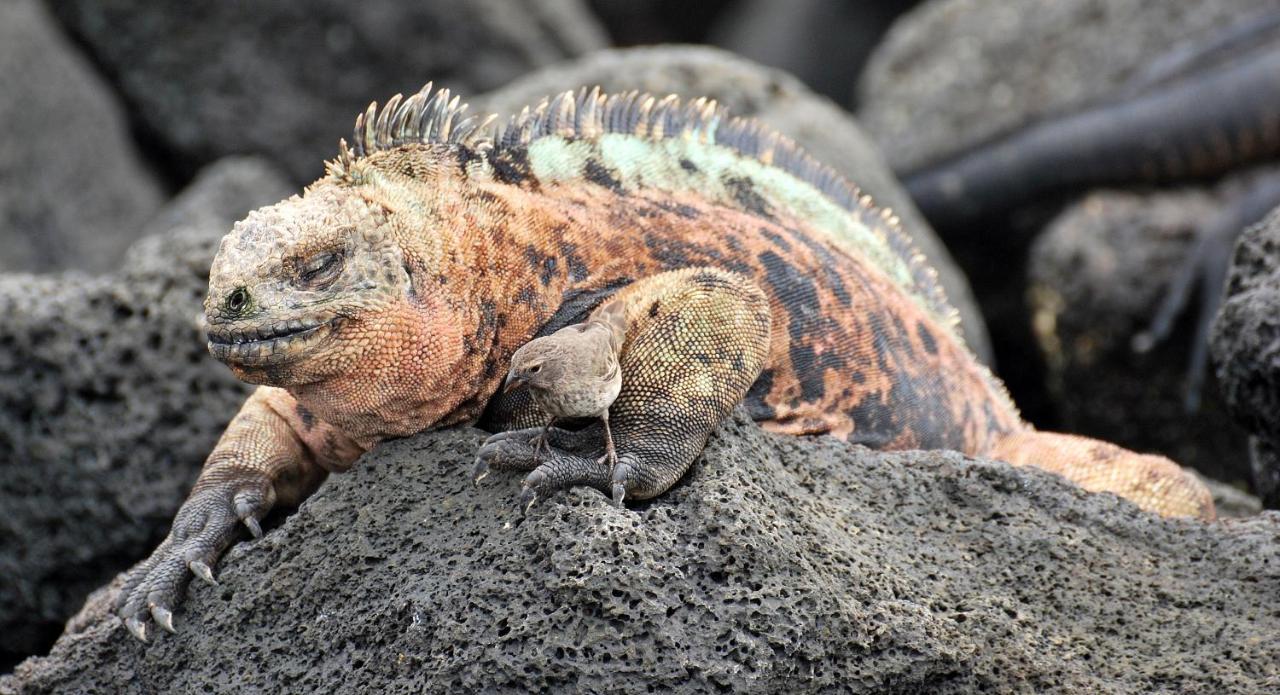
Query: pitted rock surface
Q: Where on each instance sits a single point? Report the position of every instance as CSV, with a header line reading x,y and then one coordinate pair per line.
x,y
776,99
1246,348
109,404
779,564
952,73
74,191
287,79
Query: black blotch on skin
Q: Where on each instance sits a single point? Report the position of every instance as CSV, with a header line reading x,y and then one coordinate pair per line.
x,y
926,337
858,376
688,166
874,424
548,270
512,166
577,304
800,299
754,401
828,262
673,253
487,327
744,192
599,174
653,309
931,422
776,238
578,270
526,296
306,416
902,338
686,211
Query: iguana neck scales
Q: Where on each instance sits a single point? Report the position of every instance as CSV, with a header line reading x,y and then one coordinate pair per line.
x,y
389,298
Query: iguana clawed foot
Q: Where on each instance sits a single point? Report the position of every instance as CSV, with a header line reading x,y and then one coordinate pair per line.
x,y
204,526
570,462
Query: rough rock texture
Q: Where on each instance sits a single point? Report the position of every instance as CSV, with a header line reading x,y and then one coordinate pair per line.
x,y
286,79
780,564
775,98
73,191
954,72
1088,300
1246,348
109,403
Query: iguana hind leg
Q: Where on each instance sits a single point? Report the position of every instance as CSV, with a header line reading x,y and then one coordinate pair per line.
x,y
1152,482
696,340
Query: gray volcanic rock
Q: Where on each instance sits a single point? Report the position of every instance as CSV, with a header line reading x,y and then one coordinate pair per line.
x,y
773,97
779,565
109,404
287,79
952,73
1096,275
1246,348
73,189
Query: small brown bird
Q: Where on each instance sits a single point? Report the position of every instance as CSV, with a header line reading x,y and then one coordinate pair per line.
x,y
574,372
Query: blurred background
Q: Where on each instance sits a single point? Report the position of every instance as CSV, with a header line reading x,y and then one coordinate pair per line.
x,y
138,132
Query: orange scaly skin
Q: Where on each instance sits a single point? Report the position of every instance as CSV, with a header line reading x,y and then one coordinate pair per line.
x,y
389,298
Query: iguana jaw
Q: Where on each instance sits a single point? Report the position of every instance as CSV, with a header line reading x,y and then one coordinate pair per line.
x,y
271,344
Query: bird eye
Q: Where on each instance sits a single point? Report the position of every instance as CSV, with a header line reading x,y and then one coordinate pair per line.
x,y
535,369
321,268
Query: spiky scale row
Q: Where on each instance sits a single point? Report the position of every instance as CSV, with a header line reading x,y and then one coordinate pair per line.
x,y
437,118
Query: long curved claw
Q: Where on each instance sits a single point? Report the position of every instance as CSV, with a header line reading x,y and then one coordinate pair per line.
x,y
163,617
254,527
480,472
528,496
137,628
202,570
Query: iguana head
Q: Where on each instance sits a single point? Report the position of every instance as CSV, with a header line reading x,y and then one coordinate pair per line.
x,y
295,283
341,288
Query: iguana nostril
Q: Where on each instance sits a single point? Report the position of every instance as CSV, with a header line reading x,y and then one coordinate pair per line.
x,y
237,300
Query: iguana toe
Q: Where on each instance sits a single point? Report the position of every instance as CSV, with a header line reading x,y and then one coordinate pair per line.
x,y
137,628
202,570
163,617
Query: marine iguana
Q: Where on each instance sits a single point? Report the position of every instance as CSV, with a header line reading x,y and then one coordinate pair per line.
x,y
388,299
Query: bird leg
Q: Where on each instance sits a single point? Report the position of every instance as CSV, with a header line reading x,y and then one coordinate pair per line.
x,y
610,453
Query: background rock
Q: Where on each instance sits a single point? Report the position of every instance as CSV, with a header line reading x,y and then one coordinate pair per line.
x,y
775,98
952,73
1096,274
74,190
823,43
109,404
1246,347
286,80
780,564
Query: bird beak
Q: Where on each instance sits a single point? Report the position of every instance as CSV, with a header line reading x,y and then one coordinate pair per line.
x,y
514,382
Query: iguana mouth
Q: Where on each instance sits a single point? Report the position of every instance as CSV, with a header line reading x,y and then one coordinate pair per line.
x,y
272,343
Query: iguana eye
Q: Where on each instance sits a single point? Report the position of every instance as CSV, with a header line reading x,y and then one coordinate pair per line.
x,y
321,268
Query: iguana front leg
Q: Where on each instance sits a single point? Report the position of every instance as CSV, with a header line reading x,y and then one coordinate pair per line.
x,y
274,451
696,340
